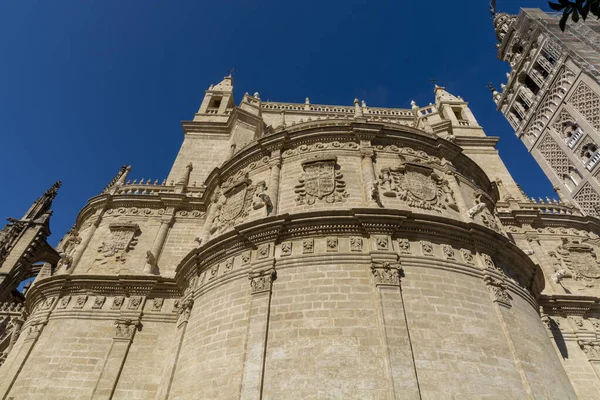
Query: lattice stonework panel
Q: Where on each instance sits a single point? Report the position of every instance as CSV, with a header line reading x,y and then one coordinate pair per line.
x,y
553,154
587,103
562,117
588,199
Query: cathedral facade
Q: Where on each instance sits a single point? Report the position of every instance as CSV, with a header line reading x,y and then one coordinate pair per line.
x,y
305,251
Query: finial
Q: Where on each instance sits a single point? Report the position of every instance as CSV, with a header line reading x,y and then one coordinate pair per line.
x,y
413,105
307,101
256,95
231,71
42,205
363,104
358,113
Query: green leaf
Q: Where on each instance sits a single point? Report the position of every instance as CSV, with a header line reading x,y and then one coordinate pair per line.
x,y
575,16
585,10
555,6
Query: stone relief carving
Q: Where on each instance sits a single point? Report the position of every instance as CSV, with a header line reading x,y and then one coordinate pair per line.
x,y
356,243
64,302
157,304
264,250
467,255
99,301
184,310
233,205
262,281
122,239
246,257
261,198
498,291
80,301
332,244
591,348
419,186
427,248
125,328
404,246
228,265
381,243
134,302
214,271
69,247
286,248
448,252
321,180
576,258
308,246
118,302
387,273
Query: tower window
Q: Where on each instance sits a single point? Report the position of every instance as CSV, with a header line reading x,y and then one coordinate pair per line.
x,y
458,113
215,102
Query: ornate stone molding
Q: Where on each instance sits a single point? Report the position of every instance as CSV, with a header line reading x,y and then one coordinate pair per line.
x,y
591,348
387,274
498,291
125,328
262,281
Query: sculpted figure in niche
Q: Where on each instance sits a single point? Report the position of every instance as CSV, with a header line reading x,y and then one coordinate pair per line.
x,y
419,186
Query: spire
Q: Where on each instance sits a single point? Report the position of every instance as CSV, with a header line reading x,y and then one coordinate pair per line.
x,y
119,178
495,94
42,205
441,95
218,102
226,85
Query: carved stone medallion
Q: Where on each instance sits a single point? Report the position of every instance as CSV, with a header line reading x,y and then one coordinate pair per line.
x,y
320,181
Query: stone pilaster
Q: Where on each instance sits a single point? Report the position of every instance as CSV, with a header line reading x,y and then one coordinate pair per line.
x,y
395,333
368,172
261,282
85,240
124,332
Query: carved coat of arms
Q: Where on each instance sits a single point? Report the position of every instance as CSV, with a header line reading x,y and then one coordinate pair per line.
x,y
418,185
321,180
123,238
579,257
234,205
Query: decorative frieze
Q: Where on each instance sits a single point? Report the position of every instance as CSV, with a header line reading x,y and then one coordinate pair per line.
x,y
426,248
488,262
404,246
264,250
47,304
99,302
448,252
262,281
321,180
498,291
308,246
134,302
331,244
117,302
467,255
63,302
214,271
387,273
286,248
184,310
382,243
228,267
356,243
80,301
246,257
34,330
157,304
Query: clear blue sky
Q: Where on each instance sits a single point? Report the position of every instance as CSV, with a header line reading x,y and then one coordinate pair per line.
x,y
87,86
